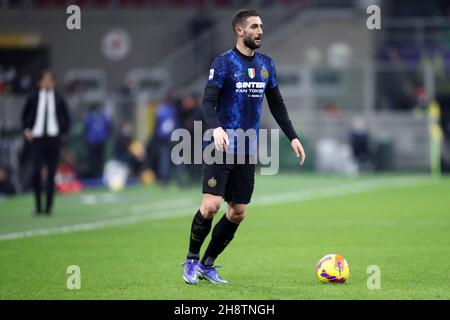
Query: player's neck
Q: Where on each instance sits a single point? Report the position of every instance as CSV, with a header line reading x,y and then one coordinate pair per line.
x,y
246,51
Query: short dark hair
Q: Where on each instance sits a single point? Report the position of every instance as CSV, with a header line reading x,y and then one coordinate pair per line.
x,y
242,15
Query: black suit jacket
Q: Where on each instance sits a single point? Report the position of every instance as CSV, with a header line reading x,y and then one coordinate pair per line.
x,y
30,111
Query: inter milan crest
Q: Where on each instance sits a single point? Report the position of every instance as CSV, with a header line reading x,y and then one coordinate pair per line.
x,y
251,73
212,182
264,73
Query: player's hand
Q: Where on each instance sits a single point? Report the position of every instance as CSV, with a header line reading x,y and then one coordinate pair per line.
x,y
298,150
28,135
220,139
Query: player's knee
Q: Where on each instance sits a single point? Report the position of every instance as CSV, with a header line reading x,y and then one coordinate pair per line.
x,y
238,218
209,208
236,215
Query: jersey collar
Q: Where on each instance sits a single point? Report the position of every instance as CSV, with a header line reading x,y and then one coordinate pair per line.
x,y
235,49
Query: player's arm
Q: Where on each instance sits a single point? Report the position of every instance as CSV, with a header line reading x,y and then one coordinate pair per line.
x,y
279,112
209,104
216,78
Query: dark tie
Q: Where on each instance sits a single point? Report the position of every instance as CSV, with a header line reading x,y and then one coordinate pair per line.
x,y
45,113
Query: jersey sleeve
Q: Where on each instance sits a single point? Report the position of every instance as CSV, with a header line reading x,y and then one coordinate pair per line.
x,y
217,73
272,83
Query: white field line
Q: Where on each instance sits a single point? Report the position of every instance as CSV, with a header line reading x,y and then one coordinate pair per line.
x,y
338,190
266,200
162,205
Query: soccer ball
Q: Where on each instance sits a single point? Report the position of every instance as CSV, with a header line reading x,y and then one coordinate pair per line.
x,y
333,268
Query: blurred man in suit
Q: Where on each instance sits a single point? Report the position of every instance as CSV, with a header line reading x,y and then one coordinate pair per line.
x,y
45,121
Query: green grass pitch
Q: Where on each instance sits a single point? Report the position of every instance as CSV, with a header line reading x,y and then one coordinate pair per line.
x,y
129,245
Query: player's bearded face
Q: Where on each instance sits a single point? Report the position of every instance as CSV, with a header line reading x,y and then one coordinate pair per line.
x,y
252,33
251,41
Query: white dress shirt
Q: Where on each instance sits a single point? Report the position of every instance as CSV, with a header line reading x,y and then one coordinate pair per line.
x,y
46,100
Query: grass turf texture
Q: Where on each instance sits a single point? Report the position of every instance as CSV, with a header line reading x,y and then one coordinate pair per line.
x,y
404,228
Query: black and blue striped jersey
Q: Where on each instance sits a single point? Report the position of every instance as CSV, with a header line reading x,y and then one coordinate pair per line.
x,y
242,81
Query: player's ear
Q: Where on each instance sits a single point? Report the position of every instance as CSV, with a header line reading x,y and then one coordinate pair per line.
x,y
238,30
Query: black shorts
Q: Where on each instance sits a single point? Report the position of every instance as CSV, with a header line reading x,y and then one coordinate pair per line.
x,y
234,182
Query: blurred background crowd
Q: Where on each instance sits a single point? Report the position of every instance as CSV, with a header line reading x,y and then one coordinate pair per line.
x,y
362,100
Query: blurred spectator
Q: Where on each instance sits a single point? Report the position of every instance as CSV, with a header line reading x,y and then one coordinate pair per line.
x,y
127,150
159,148
96,132
333,109
6,185
8,157
359,141
46,122
66,178
24,85
7,79
429,108
190,111
123,141
11,82
420,102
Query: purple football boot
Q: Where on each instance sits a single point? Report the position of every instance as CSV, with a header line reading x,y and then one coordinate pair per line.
x,y
210,273
190,274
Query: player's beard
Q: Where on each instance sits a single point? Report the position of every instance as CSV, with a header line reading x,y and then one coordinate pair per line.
x,y
250,43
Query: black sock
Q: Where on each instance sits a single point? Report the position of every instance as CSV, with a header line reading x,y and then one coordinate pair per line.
x,y
222,235
199,231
